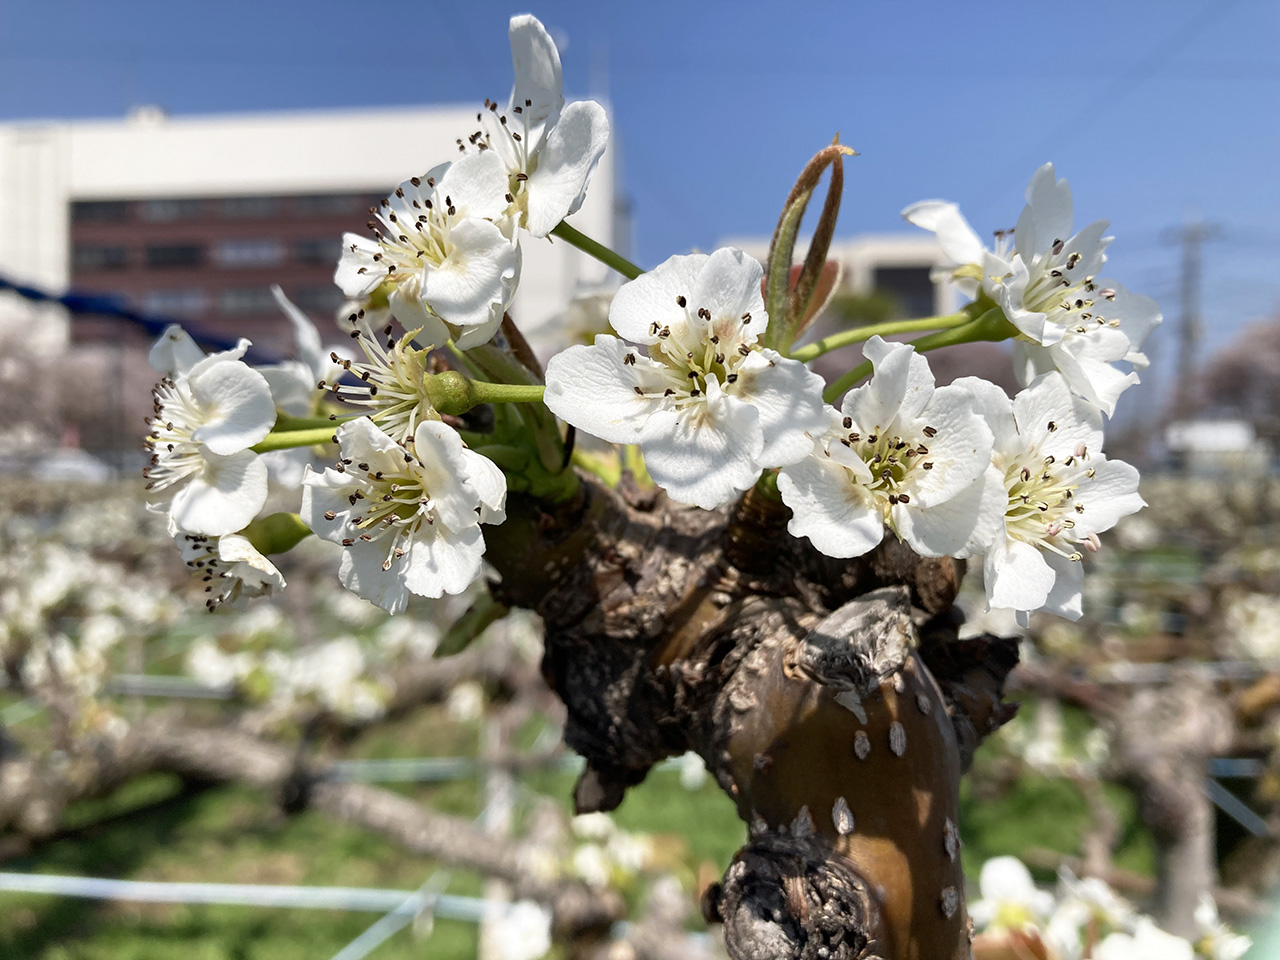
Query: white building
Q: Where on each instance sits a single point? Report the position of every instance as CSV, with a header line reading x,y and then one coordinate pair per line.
x,y
173,172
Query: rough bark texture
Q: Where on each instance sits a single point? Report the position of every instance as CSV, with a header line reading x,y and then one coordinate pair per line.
x,y
1164,739
830,699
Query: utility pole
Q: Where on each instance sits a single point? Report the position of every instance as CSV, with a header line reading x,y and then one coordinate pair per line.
x,y
1191,235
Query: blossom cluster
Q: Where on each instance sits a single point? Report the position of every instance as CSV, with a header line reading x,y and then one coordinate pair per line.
x,y
1083,920
692,377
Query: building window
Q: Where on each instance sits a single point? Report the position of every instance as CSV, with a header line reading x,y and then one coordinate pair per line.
x,y
910,287
318,300
90,258
326,204
175,302
327,250
251,252
171,209
248,208
100,211
168,255
239,301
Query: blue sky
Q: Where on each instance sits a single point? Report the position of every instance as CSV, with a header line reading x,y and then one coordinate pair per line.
x,y
1155,111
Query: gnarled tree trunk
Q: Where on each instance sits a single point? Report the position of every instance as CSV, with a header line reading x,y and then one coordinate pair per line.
x,y
831,699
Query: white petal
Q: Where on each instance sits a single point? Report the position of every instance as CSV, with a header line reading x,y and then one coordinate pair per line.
x,y
706,454
728,285
364,441
1094,379
1006,879
1048,400
900,387
1047,216
1017,576
593,389
253,569
469,290
327,492
945,529
788,397
293,386
960,452
1066,599
994,406
358,274
1138,315
490,485
361,572
223,497
566,161
536,63
175,352
444,563
237,403
830,508
651,298
955,236
476,183
444,471
306,337
1110,495
407,306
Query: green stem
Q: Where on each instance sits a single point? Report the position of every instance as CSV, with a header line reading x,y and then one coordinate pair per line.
x,y
288,439
597,250
890,327
286,424
453,393
991,326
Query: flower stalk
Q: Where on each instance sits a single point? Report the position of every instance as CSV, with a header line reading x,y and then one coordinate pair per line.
x,y
889,328
454,394
596,249
991,326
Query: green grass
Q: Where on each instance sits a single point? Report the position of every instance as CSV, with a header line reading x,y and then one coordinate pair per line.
x,y
155,829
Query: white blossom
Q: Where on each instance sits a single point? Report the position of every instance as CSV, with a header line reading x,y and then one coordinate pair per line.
x,y
1009,900
208,412
900,453
1088,904
522,931
390,383
443,252
1043,277
293,382
1060,493
708,407
230,566
1216,941
550,150
1147,942
408,514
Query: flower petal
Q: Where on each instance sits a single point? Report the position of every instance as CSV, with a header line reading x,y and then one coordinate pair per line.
x,y
175,352
958,240
477,185
1017,576
536,63
704,455
788,397
223,497
594,389
237,403
358,274
470,289
828,507
573,147
651,298
445,563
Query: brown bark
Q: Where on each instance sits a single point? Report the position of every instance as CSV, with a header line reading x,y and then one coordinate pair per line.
x,y
830,699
